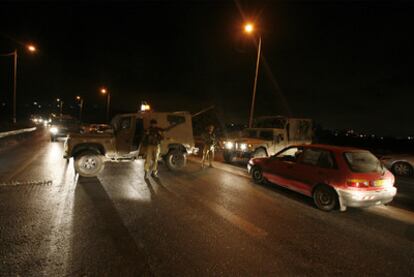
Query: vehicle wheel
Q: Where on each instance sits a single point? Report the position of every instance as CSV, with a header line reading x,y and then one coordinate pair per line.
x,y
176,160
259,153
89,164
257,175
228,156
325,198
402,169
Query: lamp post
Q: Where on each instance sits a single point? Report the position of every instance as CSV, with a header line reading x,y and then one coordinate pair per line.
x,y
60,106
32,49
249,29
108,101
80,99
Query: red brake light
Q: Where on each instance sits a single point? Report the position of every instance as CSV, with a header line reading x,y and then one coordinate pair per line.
x,y
357,183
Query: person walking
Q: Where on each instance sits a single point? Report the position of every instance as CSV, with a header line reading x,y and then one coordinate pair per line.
x,y
152,141
209,139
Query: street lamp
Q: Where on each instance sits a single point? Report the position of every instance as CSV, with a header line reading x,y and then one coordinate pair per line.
x,y
108,101
32,49
60,106
249,29
80,99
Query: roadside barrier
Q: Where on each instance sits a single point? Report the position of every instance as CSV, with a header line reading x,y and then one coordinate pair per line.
x,y
17,132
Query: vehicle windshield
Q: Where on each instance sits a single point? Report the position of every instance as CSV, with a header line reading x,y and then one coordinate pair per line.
x,y
363,162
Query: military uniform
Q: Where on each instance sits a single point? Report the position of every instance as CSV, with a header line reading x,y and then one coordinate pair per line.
x,y
152,141
209,139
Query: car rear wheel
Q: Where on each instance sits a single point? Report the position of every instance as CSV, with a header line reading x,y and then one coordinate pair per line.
x,y
257,175
89,164
402,169
176,160
325,198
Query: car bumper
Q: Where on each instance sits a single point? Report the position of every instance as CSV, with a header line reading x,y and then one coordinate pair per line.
x,y
350,198
249,167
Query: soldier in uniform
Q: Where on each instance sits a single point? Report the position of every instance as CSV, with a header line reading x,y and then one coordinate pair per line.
x,y
209,139
152,141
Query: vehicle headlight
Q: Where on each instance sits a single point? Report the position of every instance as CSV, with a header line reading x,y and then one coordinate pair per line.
x,y
229,145
243,146
54,130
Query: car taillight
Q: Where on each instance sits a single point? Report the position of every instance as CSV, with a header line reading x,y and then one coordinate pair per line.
x,y
357,183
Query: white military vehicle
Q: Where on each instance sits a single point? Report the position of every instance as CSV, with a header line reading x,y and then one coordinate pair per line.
x,y
268,136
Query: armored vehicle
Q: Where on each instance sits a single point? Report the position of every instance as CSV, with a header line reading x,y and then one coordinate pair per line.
x,y
268,136
124,141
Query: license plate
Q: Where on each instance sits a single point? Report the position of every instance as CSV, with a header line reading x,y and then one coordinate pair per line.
x,y
380,183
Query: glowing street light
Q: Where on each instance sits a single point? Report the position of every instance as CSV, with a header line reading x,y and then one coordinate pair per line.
x,y
249,29
32,49
108,101
60,106
145,107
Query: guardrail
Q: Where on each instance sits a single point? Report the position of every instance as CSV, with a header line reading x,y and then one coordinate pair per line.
x,y
16,132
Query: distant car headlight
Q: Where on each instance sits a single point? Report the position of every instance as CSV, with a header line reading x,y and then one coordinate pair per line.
x,y
54,130
243,146
229,145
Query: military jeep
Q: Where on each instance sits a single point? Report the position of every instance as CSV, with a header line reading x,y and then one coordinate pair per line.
x,y
124,142
268,136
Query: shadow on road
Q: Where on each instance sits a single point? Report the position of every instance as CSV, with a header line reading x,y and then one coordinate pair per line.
x,y
105,230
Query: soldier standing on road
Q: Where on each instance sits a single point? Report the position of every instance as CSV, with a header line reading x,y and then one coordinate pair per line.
x,y
209,139
152,141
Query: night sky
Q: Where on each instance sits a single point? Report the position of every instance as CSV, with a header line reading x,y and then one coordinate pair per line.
x,y
344,64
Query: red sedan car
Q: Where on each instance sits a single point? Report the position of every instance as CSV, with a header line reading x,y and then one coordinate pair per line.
x,y
334,176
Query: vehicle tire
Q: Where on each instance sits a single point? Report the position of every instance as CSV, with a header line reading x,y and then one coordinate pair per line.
x,y
325,198
259,153
402,169
176,160
257,175
228,156
89,164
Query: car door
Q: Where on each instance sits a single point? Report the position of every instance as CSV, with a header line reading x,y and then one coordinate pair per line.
x,y
124,134
315,166
278,167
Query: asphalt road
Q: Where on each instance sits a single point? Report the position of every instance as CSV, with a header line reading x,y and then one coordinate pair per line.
x,y
196,222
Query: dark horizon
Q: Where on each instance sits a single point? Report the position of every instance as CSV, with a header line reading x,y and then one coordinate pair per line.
x,y
345,65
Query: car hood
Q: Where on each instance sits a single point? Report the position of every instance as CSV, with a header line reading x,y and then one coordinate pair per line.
x,y
90,136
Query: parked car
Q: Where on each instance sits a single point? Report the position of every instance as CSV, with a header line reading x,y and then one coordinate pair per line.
x,y
334,176
400,165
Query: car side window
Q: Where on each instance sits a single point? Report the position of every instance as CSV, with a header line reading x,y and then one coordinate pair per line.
x,y
311,156
175,119
291,154
318,157
266,135
326,160
125,123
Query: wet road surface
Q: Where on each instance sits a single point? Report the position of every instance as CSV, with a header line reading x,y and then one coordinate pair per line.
x,y
196,222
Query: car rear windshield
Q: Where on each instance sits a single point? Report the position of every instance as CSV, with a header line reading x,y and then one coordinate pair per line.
x,y
363,162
